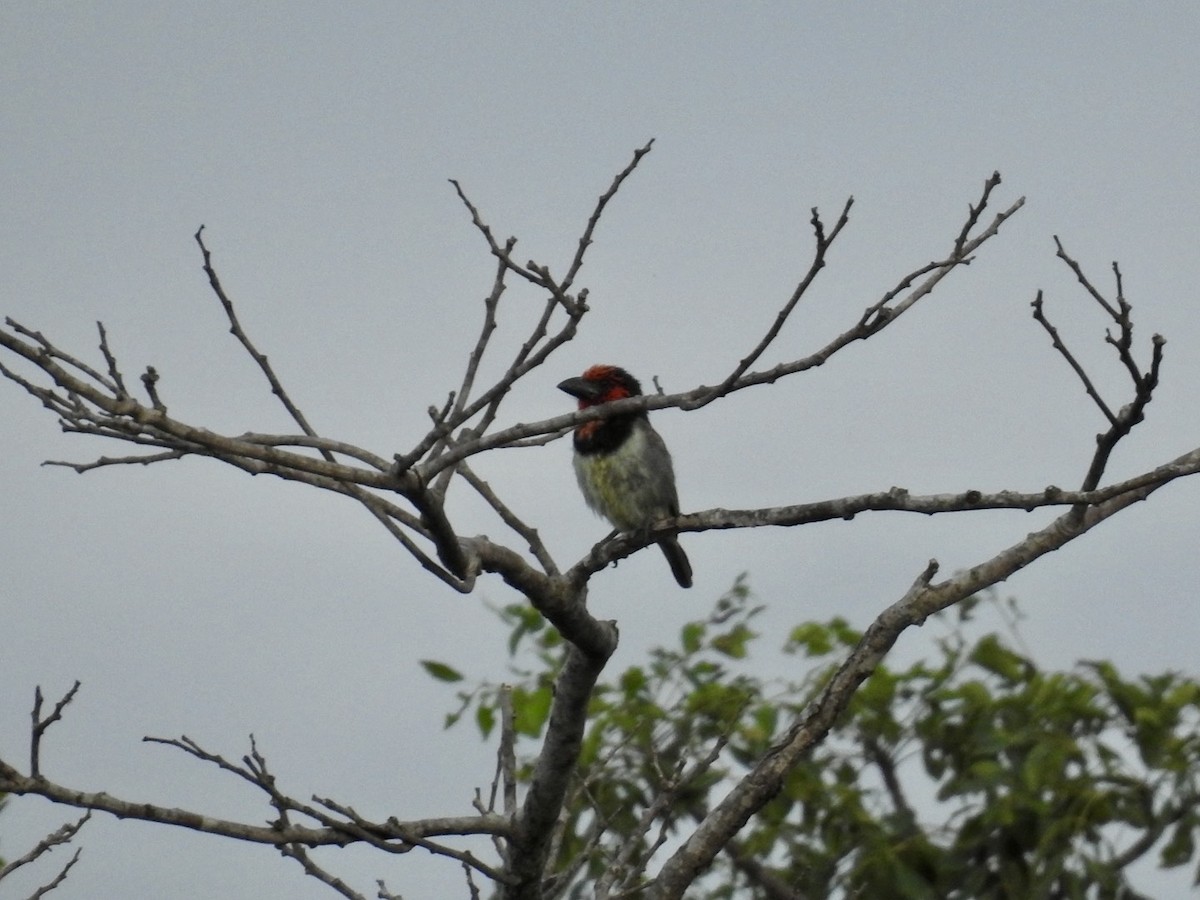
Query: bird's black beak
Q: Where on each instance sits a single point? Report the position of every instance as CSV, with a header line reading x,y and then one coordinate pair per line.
x,y
581,388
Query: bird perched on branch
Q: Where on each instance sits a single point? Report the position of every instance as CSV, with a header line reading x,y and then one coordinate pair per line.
x,y
623,466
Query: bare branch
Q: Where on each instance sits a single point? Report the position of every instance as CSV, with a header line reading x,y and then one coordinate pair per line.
x,y
527,532
117,461
325,445
91,409
298,853
502,254
62,835
40,725
877,316
897,499
488,402
58,405
1087,284
585,240
11,781
973,213
823,243
471,887
111,360
130,420
526,359
432,515
58,879
489,325
873,320
433,519
465,857
235,328
50,352
1040,315
1144,383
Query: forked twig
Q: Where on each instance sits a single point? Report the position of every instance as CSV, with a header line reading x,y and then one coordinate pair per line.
x,y
1123,421
40,725
62,835
823,243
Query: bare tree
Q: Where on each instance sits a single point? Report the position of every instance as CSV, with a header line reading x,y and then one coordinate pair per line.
x,y
406,493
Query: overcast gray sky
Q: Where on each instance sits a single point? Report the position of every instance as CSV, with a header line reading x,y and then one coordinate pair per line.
x,y
315,140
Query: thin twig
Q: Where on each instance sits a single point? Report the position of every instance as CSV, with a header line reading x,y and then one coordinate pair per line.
x,y
471,886
111,361
40,725
298,853
463,856
117,461
1122,422
58,879
529,534
485,333
62,835
1084,281
823,242
526,359
585,240
52,352
1040,316
500,253
235,328
433,518
973,213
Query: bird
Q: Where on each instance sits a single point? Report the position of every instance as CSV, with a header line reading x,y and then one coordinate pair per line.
x,y
623,465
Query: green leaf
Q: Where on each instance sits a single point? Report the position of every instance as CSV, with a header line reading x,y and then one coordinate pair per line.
x,y
691,636
530,709
485,718
1179,849
441,671
733,642
811,637
633,680
993,656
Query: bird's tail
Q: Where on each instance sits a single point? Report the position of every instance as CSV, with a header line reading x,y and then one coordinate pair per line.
x,y
680,567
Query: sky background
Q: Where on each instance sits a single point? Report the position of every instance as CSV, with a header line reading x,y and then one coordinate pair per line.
x,y
314,141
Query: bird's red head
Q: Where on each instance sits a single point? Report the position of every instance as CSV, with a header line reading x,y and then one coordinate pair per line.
x,y
601,384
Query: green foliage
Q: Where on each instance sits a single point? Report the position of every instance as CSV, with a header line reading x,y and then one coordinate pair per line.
x,y
441,671
974,774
